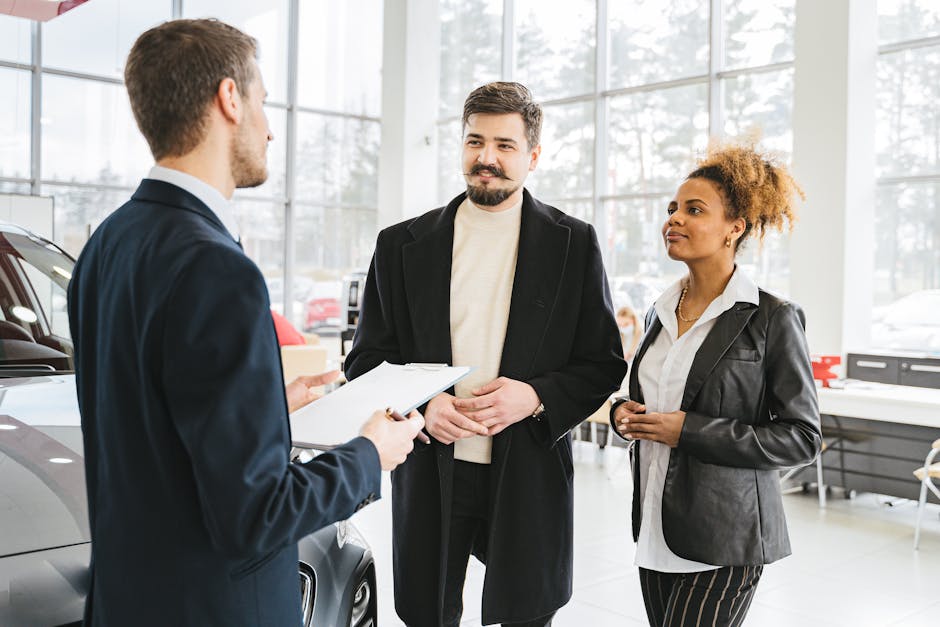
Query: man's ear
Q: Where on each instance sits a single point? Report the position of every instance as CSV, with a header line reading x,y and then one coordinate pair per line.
x,y
229,100
534,157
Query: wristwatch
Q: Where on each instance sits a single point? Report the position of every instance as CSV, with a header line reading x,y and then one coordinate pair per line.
x,y
538,410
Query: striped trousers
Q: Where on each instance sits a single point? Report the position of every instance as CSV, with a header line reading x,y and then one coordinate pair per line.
x,y
712,598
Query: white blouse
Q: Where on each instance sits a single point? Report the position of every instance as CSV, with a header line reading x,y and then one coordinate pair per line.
x,y
662,376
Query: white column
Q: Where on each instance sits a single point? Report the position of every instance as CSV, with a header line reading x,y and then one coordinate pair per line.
x,y
831,259
410,62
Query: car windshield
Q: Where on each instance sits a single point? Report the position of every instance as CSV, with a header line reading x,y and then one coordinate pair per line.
x,y
34,333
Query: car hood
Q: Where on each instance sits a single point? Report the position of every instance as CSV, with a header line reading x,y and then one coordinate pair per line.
x,y
42,476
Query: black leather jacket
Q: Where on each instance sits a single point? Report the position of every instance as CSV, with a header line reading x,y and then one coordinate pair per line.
x,y
751,409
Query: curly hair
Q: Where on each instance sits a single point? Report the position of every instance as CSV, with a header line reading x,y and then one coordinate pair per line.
x,y
755,186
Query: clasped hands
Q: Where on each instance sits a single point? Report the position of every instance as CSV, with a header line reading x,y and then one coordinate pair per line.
x,y
634,423
494,407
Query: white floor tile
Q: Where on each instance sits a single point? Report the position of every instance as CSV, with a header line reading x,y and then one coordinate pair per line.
x,y
852,563
928,617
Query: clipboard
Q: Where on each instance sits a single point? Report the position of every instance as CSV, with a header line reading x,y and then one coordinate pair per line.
x,y
337,417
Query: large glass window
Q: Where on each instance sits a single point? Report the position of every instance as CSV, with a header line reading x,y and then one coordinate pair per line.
x,y
567,146
471,49
78,211
15,39
908,123
761,105
450,181
89,134
654,41
337,160
654,101
95,38
92,155
261,233
906,20
554,44
654,137
639,269
335,225
757,32
266,22
907,211
14,123
331,243
340,60
7,187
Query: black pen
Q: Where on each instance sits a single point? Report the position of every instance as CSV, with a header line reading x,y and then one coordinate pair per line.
x,y
394,415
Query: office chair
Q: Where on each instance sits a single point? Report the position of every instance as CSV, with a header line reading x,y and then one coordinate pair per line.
x,y
926,474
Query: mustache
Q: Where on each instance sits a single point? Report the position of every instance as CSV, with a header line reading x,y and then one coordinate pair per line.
x,y
493,169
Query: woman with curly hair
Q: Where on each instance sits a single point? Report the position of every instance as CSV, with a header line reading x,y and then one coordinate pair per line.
x,y
721,397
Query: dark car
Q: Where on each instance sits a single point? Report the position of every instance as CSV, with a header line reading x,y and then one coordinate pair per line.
x,y
44,538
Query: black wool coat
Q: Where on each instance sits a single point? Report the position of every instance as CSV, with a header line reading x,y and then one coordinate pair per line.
x,y
561,338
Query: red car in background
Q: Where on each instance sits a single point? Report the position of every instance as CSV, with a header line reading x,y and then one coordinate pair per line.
x,y
322,312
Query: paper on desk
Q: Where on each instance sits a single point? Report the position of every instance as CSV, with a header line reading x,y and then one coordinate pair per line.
x,y
338,416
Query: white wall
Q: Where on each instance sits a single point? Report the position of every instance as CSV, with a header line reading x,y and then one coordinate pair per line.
x,y
30,212
408,159
831,262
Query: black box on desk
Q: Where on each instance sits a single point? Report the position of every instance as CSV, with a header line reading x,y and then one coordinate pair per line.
x,y
896,369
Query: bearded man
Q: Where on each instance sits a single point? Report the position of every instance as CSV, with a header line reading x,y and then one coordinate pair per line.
x,y
515,288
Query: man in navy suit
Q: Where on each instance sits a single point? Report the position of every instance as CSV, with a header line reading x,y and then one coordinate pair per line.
x,y
194,506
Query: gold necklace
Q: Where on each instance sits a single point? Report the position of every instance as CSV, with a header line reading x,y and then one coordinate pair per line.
x,y
679,307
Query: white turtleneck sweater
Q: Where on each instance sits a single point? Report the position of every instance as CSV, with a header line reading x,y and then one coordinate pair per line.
x,y
486,245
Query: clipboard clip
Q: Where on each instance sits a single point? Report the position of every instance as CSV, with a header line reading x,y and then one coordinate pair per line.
x,y
423,366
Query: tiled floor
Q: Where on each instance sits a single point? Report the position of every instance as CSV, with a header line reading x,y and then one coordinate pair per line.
x,y
852,563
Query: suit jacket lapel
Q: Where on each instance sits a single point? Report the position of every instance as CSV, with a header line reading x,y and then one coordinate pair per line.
x,y
727,328
426,263
653,328
543,252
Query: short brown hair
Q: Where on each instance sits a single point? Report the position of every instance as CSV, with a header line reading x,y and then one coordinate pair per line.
x,y
172,74
506,97
754,184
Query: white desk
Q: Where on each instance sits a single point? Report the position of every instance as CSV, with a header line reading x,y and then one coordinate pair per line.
x,y
885,403
877,434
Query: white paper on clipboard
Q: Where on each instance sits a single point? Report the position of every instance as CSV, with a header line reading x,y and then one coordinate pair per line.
x,y
338,416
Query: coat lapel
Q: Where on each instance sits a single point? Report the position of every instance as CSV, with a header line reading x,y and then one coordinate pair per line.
x,y
543,252
427,262
727,328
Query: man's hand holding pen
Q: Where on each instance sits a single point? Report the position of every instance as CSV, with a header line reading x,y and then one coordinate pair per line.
x,y
393,439
394,415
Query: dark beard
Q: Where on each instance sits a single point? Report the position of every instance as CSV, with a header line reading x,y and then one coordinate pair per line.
x,y
484,197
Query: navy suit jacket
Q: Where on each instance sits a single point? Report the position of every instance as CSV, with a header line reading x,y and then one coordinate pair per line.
x,y
194,507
